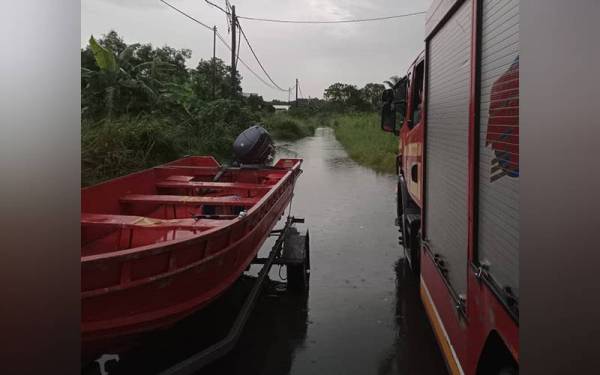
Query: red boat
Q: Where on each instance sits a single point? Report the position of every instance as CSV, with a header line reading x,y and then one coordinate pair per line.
x,y
159,244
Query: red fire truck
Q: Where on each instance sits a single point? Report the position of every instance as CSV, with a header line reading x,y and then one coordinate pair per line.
x,y
456,113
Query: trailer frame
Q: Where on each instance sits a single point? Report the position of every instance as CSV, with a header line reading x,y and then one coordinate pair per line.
x,y
290,249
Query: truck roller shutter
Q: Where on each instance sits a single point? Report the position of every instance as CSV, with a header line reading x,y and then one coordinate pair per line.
x,y
449,58
498,216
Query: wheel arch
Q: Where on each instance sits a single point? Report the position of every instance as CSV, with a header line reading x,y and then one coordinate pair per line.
x,y
495,356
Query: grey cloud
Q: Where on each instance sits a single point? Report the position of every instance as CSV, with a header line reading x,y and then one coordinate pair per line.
x,y
136,4
316,54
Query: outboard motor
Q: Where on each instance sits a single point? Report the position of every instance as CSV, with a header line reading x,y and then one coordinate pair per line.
x,y
254,146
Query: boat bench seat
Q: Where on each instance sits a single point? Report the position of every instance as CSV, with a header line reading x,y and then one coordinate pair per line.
x,y
185,200
131,221
188,170
211,185
179,178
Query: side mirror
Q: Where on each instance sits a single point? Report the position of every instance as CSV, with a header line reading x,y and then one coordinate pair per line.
x,y
388,111
388,118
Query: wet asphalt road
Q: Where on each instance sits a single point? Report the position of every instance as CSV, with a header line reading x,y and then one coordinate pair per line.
x,y
362,314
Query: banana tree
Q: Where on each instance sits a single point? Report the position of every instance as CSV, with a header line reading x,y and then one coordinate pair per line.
x,y
118,84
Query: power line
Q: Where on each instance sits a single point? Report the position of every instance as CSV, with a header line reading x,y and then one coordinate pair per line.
x,y
218,7
257,59
332,21
226,11
223,41
188,16
244,63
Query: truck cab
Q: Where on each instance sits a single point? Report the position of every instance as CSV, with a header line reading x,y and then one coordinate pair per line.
x,y
403,115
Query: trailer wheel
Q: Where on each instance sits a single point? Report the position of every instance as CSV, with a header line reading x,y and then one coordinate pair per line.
x,y
298,272
297,277
307,250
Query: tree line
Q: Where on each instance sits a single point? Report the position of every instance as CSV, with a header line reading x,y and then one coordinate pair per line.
x,y
142,105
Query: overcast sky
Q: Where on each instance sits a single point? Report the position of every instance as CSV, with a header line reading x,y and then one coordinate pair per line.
x,y
317,54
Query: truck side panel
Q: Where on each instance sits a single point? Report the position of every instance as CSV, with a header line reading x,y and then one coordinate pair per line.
x,y
437,11
448,90
498,203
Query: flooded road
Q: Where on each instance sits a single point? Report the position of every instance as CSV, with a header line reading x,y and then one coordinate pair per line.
x,y
362,314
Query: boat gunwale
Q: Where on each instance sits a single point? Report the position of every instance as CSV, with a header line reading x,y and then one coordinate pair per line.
x,y
161,247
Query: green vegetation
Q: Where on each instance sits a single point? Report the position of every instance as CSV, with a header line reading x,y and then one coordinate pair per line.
x,y
294,124
111,148
362,138
288,128
142,106
351,112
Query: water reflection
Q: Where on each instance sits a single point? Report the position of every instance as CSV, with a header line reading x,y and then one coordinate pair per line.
x,y
414,350
275,329
268,345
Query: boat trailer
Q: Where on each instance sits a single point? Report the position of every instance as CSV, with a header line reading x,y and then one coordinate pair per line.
x,y
291,249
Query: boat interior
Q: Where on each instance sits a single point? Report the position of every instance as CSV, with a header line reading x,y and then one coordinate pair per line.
x,y
173,201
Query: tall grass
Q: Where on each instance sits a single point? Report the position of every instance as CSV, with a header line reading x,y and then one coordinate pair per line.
x,y
284,126
365,142
111,148
125,145
115,147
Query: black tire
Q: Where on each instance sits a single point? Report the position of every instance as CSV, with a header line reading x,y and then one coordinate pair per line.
x,y
298,270
92,368
415,251
410,236
508,370
400,213
399,202
307,249
297,277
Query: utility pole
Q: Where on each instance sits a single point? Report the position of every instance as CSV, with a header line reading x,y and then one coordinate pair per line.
x,y
214,61
296,92
233,42
289,94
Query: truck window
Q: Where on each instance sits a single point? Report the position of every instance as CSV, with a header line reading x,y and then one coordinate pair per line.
x,y
400,96
417,97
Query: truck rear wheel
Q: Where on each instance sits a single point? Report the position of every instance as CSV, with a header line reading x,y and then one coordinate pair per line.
x,y
409,228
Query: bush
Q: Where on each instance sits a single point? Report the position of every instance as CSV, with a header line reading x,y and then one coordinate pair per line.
x,y
285,127
127,144
218,123
114,148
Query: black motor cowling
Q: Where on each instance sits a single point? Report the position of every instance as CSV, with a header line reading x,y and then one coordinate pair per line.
x,y
254,146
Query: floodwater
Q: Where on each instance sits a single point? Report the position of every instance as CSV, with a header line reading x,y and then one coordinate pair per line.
x,y
362,314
